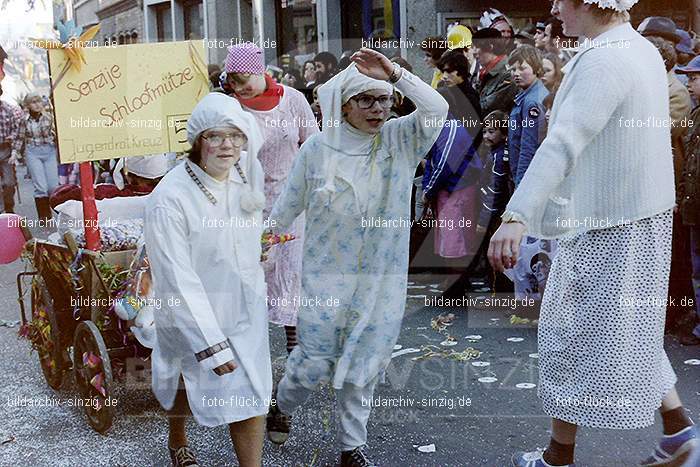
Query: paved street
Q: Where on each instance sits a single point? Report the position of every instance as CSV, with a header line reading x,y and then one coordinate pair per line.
x,y
442,402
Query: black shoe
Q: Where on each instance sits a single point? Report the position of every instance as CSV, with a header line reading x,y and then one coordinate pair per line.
x,y
183,457
355,458
278,425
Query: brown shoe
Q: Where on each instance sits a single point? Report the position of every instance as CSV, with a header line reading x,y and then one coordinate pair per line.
x,y
278,425
183,457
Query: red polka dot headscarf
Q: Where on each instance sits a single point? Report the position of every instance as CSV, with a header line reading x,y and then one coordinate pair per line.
x,y
245,58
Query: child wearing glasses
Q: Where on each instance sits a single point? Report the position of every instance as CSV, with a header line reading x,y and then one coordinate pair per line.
x,y
353,180
202,232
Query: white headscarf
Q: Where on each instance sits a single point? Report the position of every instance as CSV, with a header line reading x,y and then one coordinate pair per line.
x,y
153,166
219,110
338,134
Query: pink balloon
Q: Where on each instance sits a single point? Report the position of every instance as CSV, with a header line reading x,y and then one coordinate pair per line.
x,y
11,238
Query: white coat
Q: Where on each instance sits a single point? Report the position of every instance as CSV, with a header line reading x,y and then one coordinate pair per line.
x,y
205,263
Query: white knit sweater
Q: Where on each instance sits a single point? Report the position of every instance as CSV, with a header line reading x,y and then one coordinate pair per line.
x,y
606,160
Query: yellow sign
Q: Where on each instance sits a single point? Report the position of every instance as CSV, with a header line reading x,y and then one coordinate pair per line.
x,y
130,100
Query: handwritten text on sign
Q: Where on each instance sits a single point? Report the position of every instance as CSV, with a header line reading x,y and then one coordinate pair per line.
x,y
129,100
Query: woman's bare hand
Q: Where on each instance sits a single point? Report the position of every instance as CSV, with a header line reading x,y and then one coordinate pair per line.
x,y
373,64
505,245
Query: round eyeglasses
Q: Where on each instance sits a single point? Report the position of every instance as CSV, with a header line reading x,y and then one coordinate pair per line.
x,y
216,139
365,101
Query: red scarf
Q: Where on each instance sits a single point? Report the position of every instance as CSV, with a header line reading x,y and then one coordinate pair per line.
x,y
490,66
268,100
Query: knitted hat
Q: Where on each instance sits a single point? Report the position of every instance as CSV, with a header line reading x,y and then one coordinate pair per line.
x,y
617,5
245,58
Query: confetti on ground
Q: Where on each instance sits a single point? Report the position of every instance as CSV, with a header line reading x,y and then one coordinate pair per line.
x,y
473,337
524,385
421,328
440,322
534,355
515,319
515,339
480,364
488,379
435,351
404,352
426,448
398,347
692,361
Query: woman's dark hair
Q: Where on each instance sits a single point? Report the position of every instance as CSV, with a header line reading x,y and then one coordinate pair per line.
x,y
557,28
548,101
498,120
435,46
194,154
328,60
454,60
297,76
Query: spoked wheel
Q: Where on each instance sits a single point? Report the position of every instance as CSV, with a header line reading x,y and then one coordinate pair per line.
x,y
53,354
93,375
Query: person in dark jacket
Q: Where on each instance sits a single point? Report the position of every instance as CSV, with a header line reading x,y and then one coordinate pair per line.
x,y
464,101
689,191
453,167
493,81
498,182
527,119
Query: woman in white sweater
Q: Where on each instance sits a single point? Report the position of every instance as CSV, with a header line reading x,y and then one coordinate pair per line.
x,y
602,183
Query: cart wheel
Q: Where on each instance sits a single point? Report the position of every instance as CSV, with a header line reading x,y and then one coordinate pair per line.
x,y
53,354
93,375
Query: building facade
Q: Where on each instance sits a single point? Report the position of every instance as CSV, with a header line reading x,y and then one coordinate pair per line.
x,y
121,21
298,29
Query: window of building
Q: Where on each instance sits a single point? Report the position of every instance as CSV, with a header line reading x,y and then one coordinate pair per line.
x,y
164,24
192,11
374,19
296,29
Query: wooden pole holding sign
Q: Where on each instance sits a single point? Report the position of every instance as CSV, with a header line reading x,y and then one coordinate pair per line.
x,y
87,194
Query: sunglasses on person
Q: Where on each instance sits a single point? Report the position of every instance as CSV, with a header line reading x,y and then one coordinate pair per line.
x,y
217,139
366,102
